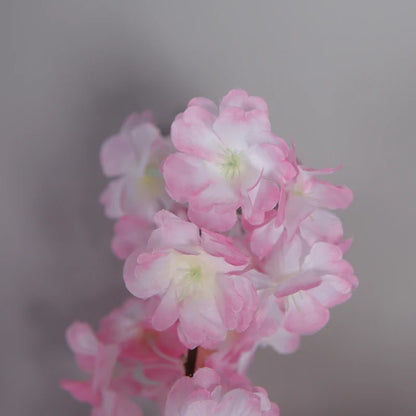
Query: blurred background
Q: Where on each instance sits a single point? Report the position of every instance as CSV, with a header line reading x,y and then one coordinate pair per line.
x,y
339,77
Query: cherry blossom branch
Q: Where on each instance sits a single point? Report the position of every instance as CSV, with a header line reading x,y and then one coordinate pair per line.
x,y
191,362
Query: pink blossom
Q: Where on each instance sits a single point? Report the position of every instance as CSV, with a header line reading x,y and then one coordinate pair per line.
x,y
155,358
303,205
197,277
209,394
304,282
227,159
94,358
133,158
126,359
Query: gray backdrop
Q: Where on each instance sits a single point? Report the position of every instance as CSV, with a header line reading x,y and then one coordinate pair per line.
x,y
339,77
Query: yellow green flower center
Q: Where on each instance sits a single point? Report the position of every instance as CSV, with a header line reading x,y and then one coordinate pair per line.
x,y
231,165
151,182
194,273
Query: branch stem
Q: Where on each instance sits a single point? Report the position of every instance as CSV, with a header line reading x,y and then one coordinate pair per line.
x,y
190,363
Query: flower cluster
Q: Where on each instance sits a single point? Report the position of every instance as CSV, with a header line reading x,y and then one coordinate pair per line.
x,y
230,244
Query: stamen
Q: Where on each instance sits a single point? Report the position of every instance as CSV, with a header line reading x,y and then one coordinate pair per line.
x,y
231,165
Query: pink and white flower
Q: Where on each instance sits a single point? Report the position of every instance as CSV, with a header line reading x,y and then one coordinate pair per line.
x,y
94,358
228,158
303,206
210,394
155,359
198,278
304,282
133,158
126,359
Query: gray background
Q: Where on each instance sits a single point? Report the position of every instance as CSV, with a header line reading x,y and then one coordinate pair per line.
x,y
339,77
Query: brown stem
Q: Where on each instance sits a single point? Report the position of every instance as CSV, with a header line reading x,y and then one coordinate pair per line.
x,y
191,362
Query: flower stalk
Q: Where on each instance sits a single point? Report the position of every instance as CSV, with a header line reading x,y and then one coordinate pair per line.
x,y
190,362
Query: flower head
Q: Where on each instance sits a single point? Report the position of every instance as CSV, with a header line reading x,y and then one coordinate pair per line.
x,y
198,279
209,393
133,157
228,158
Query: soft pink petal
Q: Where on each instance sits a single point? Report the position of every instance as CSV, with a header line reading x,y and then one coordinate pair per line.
x,y
205,103
333,291
218,218
225,396
191,133
284,342
137,199
219,193
265,237
285,259
304,314
207,378
220,245
241,99
104,365
272,159
136,119
130,233
82,391
185,176
81,339
111,198
173,232
117,155
237,301
142,138
297,208
328,258
121,324
331,196
321,225
345,245
178,395
147,274
200,323
239,402
238,129
260,199
304,281
167,313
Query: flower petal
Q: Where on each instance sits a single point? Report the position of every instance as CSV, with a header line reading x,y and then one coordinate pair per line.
x,y
304,314
147,274
185,176
192,134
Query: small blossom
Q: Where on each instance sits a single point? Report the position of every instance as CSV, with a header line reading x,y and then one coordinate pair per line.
x,y
154,359
304,282
226,160
197,277
95,358
133,157
126,359
210,394
304,203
